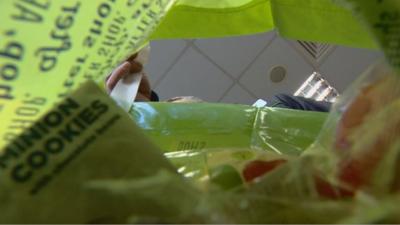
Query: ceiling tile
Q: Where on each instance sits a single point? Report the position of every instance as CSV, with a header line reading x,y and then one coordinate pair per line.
x,y
237,95
163,54
234,54
194,75
345,64
279,54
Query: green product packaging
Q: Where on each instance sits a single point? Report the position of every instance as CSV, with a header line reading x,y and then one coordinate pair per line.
x,y
195,126
85,161
49,48
50,174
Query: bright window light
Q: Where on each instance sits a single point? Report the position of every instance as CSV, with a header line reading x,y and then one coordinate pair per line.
x,y
317,88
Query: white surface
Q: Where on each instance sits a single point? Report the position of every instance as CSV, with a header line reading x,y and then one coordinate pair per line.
x,y
237,95
211,69
163,55
194,75
257,78
232,54
344,64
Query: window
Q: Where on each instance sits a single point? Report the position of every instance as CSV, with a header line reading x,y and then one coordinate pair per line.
x,y
317,88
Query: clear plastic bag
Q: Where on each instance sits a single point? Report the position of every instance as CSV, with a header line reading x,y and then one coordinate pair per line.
x,y
348,175
353,164
362,132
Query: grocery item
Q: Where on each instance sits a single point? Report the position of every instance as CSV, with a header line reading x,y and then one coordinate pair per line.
x,y
48,49
367,131
257,168
52,172
194,126
85,161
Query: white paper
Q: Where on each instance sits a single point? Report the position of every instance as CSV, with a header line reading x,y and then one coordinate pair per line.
x,y
124,93
260,103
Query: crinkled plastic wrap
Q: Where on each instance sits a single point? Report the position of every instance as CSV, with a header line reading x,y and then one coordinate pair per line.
x,y
176,127
348,175
49,48
362,133
354,164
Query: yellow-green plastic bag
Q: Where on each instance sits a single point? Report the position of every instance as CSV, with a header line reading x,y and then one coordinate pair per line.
x,y
195,126
51,172
309,20
49,48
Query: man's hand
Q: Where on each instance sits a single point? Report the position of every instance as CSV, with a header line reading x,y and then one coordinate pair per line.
x,y
126,71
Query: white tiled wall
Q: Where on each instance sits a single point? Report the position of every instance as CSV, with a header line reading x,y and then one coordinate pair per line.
x,y
236,70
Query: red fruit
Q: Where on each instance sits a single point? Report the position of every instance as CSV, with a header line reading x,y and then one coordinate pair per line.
x,y
355,173
327,190
258,168
358,170
358,165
